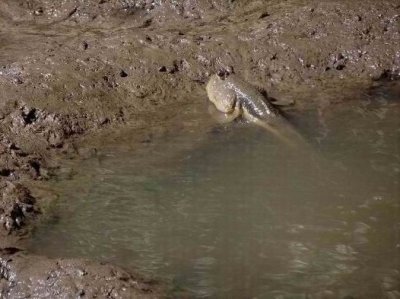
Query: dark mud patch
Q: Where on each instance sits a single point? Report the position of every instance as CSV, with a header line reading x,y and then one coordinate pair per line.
x,y
75,70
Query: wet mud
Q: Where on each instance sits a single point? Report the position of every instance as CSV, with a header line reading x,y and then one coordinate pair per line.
x,y
26,276
76,70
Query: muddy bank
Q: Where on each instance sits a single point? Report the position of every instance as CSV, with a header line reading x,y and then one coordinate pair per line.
x,y
76,69
29,276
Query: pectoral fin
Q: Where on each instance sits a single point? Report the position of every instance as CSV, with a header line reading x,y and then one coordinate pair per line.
x,y
224,118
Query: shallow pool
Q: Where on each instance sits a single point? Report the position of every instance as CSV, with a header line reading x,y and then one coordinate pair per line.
x,y
237,214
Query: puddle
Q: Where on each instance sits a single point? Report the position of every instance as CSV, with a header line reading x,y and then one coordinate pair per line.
x,y
239,215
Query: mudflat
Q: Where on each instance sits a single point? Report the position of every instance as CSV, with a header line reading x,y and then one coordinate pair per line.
x,y
72,72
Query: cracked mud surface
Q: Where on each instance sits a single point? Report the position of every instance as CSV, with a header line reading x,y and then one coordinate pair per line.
x,y
77,69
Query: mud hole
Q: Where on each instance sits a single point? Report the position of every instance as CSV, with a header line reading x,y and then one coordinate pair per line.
x,y
75,69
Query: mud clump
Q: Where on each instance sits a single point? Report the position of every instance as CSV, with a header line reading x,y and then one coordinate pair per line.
x,y
72,69
16,208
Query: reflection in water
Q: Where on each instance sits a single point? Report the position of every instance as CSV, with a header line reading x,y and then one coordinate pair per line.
x,y
242,216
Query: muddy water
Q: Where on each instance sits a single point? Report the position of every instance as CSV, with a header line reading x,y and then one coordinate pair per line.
x,y
239,215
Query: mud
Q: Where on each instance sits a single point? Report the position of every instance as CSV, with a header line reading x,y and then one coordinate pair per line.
x,y
74,70
23,276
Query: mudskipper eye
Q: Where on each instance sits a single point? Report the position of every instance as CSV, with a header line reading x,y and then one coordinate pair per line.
x,y
222,74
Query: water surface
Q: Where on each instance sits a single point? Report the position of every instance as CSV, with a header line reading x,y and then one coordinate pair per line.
x,y
239,215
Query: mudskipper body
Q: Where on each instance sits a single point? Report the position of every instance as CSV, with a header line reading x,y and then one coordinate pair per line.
x,y
234,97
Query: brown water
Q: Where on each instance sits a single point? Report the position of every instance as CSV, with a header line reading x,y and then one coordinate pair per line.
x,y
239,215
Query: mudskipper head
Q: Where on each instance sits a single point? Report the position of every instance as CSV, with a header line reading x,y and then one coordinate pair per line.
x,y
220,93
